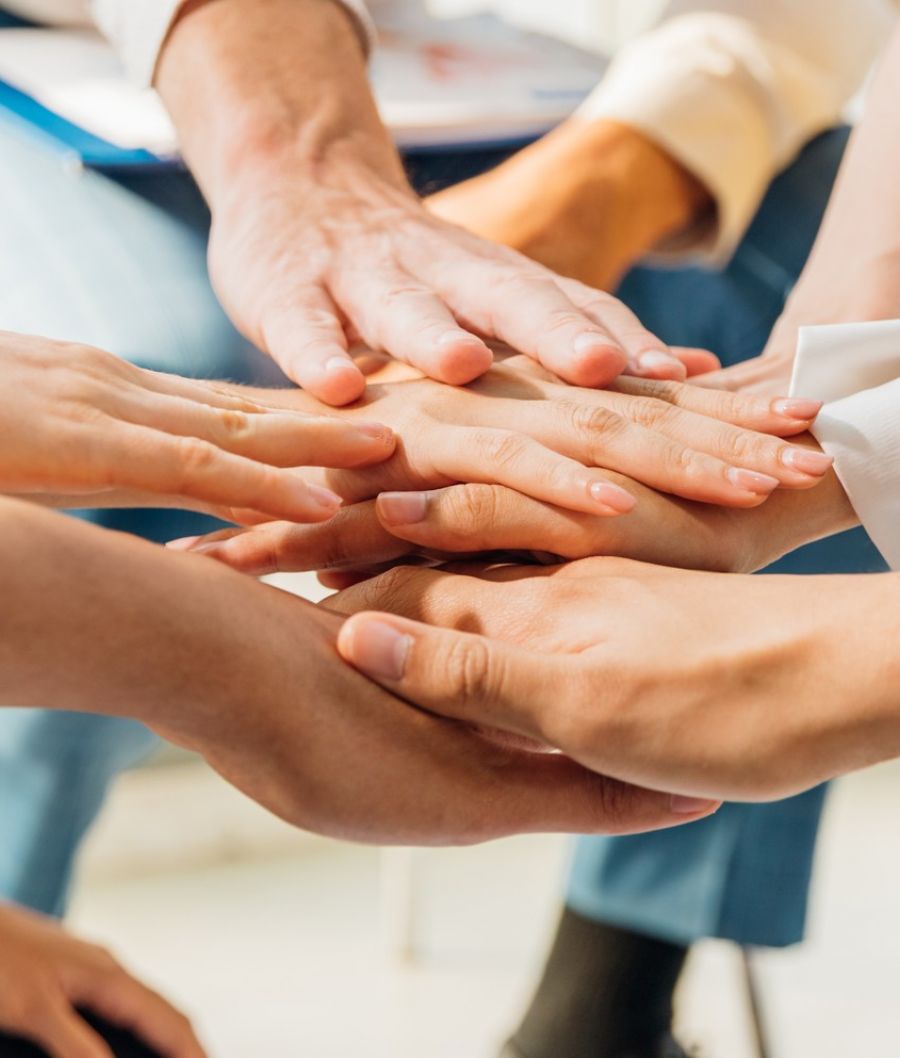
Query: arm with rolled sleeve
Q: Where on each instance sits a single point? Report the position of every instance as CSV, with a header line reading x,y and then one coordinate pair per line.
x,y
734,88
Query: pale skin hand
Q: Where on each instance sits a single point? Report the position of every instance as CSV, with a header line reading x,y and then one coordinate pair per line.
x,y
589,200
45,974
745,688
80,427
266,700
318,240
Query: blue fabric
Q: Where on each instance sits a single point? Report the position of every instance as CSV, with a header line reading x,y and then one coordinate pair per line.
x,y
122,265
744,874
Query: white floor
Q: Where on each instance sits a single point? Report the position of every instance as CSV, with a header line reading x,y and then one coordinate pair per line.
x,y
283,952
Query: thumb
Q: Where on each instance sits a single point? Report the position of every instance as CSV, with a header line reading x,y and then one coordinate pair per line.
x,y
471,678
456,674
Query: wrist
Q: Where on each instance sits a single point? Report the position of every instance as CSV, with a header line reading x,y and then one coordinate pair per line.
x,y
856,624
789,520
261,88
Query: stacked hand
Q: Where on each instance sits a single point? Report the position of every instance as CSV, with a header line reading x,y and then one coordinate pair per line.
x,y
599,659
543,444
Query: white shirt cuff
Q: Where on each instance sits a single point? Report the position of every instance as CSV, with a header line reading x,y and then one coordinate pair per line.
x,y
855,368
138,29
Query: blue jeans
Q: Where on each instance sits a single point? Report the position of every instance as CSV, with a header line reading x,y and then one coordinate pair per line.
x,y
743,874
121,264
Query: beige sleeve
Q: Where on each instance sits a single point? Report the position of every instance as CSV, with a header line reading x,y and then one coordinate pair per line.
x,y
138,29
734,89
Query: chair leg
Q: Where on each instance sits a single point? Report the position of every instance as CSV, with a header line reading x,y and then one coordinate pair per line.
x,y
755,1005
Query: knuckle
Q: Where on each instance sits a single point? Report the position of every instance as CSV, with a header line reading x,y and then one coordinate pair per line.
x,y
742,445
592,423
501,448
467,670
196,458
471,507
650,412
236,424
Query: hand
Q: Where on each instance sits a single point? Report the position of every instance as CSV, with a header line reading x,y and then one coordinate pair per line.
x,y
745,688
587,201
481,520
478,517
253,682
80,427
46,976
519,428
317,239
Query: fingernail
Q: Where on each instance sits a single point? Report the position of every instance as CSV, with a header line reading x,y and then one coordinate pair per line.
x,y
459,338
379,649
340,363
323,497
807,461
590,340
655,361
184,543
403,508
750,481
376,430
611,496
797,408
690,806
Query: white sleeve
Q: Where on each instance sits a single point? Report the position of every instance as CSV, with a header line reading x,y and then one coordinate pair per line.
x,y
855,368
734,88
138,29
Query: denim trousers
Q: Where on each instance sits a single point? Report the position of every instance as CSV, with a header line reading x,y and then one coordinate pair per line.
x,y
121,263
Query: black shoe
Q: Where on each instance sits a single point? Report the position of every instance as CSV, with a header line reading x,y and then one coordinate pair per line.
x,y
606,992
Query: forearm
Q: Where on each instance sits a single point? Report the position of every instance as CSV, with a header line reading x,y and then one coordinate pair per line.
x,y
588,200
100,622
257,84
847,658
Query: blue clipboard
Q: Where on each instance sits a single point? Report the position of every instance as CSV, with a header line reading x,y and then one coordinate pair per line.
x,y
75,144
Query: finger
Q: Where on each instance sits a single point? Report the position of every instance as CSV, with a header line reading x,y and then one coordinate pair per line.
x,y
523,306
63,1034
648,356
697,361
505,457
278,438
469,519
396,313
682,453
198,470
307,341
353,538
544,793
781,416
